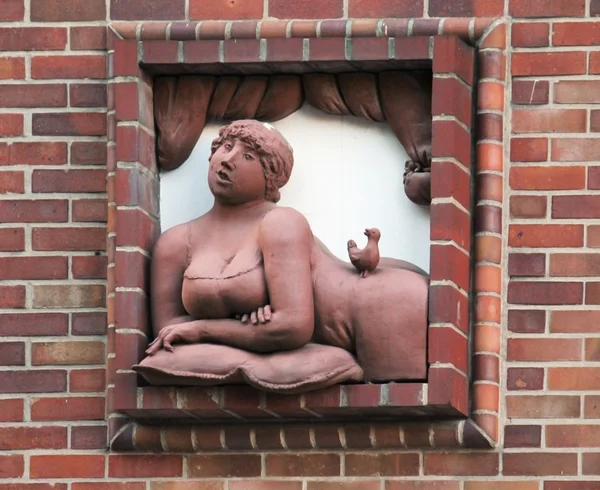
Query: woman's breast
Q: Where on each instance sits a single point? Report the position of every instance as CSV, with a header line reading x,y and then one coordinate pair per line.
x,y
226,296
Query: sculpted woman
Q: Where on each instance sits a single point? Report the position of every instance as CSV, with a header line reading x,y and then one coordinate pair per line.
x,y
315,320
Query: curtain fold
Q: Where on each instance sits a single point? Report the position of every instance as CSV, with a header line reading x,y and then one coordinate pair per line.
x,y
184,104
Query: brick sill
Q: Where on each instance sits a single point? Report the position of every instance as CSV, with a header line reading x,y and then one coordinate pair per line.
x,y
245,404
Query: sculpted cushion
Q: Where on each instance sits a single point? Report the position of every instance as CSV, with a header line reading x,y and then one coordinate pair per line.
x,y
312,367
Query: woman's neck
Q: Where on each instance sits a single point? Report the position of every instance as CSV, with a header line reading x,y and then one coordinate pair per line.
x,y
235,212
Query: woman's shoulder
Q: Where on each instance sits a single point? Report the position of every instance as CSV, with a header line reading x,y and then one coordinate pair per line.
x,y
285,224
172,243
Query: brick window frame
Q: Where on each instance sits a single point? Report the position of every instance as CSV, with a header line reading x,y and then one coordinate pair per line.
x,y
466,246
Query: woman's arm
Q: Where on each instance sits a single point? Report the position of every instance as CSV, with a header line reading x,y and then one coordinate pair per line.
x,y
285,240
169,261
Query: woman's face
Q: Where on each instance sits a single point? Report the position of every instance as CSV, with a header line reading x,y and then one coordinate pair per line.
x,y
235,174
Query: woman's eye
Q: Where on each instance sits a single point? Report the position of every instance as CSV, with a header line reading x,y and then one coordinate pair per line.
x,y
248,156
228,146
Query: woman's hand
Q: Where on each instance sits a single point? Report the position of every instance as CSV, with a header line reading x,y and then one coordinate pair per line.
x,y
262,315
188,333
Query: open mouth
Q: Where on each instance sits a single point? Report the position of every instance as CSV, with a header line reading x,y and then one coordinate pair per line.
x,y
223,176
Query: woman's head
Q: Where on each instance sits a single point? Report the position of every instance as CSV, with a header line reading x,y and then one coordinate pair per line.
x,y
272,149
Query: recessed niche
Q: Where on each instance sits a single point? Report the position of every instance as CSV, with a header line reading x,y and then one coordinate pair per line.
x,y
347,176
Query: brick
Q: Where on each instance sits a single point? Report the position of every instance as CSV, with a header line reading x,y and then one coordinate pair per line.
x,y
149,10
450,263
530,34
11,183
545,293
69,124
80,296
539,464
252,9
451,140
449,222
33,38
466,8
526,321
88,153
594,121
545,235
63,352
381,464
25,211
576,207
11,125
525,379
526,265
556,8
575,321
88,95
12,68
575,34
573,378
67,466
88,437
224,466
501,485
33,268
19,438
576,91
147,466
575,264
591,463
38,153
12,297
12,354
593,177
592,349
544,350
528,206
90,267
135,228
108,486
89,210
297,9
87,380
88,38
42,95
592,293
550,63
346,485
68,408
12,10
12,466
522,436
68,10
530,92
11,410
254,485
593,236
90,323
547,178
461,464
12,239
77,239
33,324
575,149
385,8
38,381
69,181
549,120
422,485
449,180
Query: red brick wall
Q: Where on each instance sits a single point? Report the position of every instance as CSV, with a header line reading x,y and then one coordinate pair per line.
x,y
53,264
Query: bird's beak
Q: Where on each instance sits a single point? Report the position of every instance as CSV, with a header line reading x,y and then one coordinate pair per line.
x,y
366,232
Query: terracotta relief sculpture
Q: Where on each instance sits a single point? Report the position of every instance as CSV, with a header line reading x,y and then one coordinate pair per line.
x,y
247,294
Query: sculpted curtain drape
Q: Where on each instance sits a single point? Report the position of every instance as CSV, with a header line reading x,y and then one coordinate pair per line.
x,y
184,104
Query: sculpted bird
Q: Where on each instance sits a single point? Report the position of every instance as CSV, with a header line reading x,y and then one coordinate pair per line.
x,y
365,260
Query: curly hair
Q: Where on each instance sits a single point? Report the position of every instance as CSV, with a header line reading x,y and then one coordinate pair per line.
x,y
274,152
